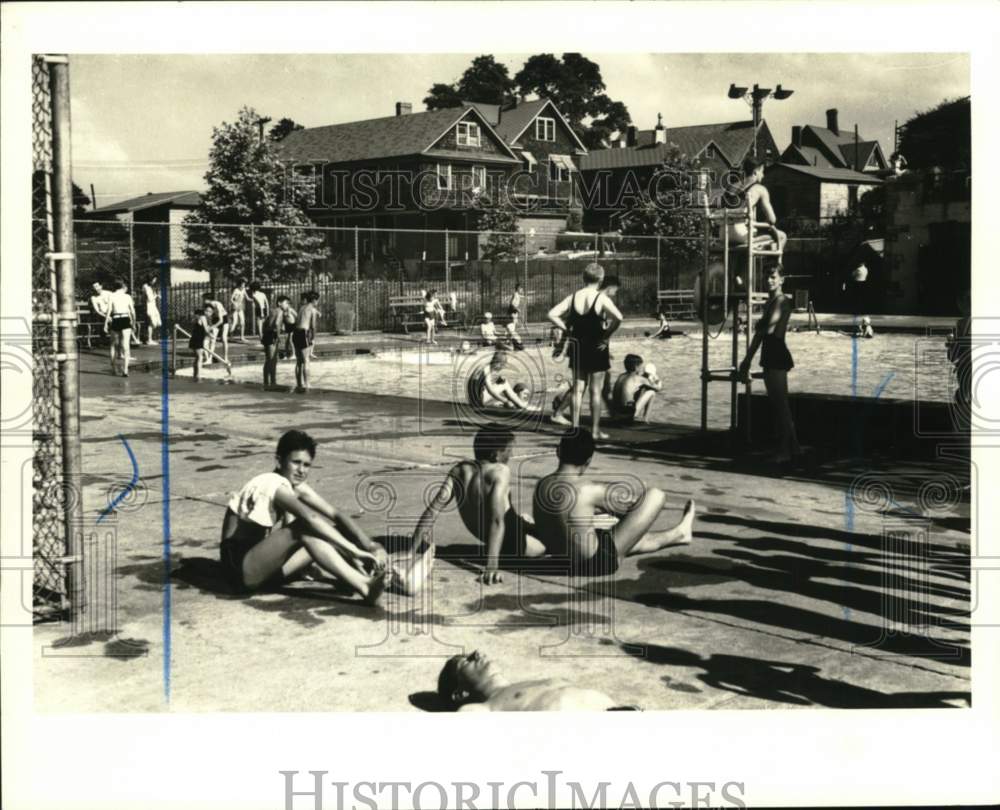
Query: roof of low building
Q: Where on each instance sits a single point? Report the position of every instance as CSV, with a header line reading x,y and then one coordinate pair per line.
x,y
830,173
180,199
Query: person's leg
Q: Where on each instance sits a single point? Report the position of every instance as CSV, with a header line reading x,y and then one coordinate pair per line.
x,y
198,359
793,441
561,403
113,338
225,342
305,368
596,403
576,399
632,535
126,350
642,405
279,549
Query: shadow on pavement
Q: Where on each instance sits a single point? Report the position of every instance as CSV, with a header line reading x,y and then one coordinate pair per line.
x,y
784,682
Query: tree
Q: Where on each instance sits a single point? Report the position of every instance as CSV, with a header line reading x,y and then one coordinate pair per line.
x,y
80,201
247,186
485,80
940,137
575,85
282,129
500,218
670,205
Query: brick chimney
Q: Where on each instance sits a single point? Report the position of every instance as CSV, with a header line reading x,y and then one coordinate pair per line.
x,y
403,108
797,137
630,136
831,121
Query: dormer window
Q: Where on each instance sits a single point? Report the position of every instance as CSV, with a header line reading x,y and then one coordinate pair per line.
x,y
545,129
468,133
444,176
710,151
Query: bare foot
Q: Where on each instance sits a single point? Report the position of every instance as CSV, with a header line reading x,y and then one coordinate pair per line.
x,y
601,435
376,587
412,581
687,523
559,419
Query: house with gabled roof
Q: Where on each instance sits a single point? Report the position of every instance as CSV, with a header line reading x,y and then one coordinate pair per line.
x,y
432,171
831,147
612,178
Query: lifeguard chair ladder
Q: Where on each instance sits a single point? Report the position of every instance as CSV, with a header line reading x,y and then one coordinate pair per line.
x,y
752,298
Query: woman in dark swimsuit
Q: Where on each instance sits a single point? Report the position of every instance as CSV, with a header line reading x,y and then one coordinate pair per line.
x,y
270,335
589,317
776,360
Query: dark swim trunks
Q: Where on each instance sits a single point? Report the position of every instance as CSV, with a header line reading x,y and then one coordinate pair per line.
x,y
515,530
605,559
586,359
119,323
300,339
235,548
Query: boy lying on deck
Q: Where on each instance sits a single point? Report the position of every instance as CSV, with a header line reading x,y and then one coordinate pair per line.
x,y
471,683
277,526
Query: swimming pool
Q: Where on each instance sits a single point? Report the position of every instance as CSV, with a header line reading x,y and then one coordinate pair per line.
x,y
896,366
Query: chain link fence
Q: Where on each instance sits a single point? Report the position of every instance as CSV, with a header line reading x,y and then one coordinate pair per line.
x,y
47,516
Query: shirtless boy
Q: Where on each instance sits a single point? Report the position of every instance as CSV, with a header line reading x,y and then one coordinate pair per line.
x,y
305,327
481,488
472,683
574,519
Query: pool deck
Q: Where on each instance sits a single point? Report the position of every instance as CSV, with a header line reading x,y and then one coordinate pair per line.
x,y
788,597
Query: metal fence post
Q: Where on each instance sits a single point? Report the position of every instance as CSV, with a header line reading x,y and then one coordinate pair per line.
x,y
447,258
253,275
131,256
67,358
357,276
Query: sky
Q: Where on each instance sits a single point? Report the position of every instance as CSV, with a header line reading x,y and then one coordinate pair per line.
x,y
144,123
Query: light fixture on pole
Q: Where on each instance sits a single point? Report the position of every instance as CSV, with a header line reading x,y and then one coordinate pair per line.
x,y
755,98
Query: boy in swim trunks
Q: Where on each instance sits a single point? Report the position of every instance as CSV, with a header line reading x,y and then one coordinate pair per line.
x,y
305,327
471,683
277,526
488,330
481,489
270,335
219,326
199,336
574,518
633,392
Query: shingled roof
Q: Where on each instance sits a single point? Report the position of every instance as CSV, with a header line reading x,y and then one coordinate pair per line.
x,y
857,156
182,199
831,174
733,139
392,136
515,120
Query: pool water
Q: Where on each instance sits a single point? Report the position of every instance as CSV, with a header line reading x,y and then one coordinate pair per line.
x,y
896,366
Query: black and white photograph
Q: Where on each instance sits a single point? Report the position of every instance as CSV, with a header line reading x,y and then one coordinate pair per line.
x,y
391,384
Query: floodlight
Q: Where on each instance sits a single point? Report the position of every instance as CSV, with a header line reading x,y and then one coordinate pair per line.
x,y
781,94
737,92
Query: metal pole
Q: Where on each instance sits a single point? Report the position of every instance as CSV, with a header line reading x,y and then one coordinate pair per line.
x,y
357,277
659,282
526,302
733,386
253,275
67,358
131,256
749,286
447,258
704,334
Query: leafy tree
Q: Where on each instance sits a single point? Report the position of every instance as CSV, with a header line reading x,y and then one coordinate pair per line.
x,y
575,84
80,201
282,129
500,217
247,186
669,205
485,80
940,137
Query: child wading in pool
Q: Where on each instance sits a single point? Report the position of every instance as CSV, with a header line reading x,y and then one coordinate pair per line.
x,y
276,526
270,334
199,336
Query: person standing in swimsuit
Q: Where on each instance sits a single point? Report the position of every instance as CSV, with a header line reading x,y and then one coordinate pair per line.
x,y
589,318
150,292
219,325
100,305
260,304
574,517
305,325
199,336
755,195
270,334
277,526
514,306
237,303
776,360
119,322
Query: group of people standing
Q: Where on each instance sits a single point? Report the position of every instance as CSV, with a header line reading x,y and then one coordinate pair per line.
x,y
116,308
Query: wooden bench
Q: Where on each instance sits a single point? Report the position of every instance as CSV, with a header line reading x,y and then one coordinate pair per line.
x,y
676,303
406,311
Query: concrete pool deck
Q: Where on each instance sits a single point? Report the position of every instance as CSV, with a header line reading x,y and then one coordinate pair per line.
x,y
788,597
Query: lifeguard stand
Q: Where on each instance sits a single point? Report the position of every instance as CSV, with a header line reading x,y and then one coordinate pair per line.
x,y
749,257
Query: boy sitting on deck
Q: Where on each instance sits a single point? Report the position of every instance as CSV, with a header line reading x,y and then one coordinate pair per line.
x,y
488,330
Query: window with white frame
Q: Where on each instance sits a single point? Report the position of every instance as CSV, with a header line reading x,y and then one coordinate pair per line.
x,y
444,176
557,170
468,133
545,129
479,177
